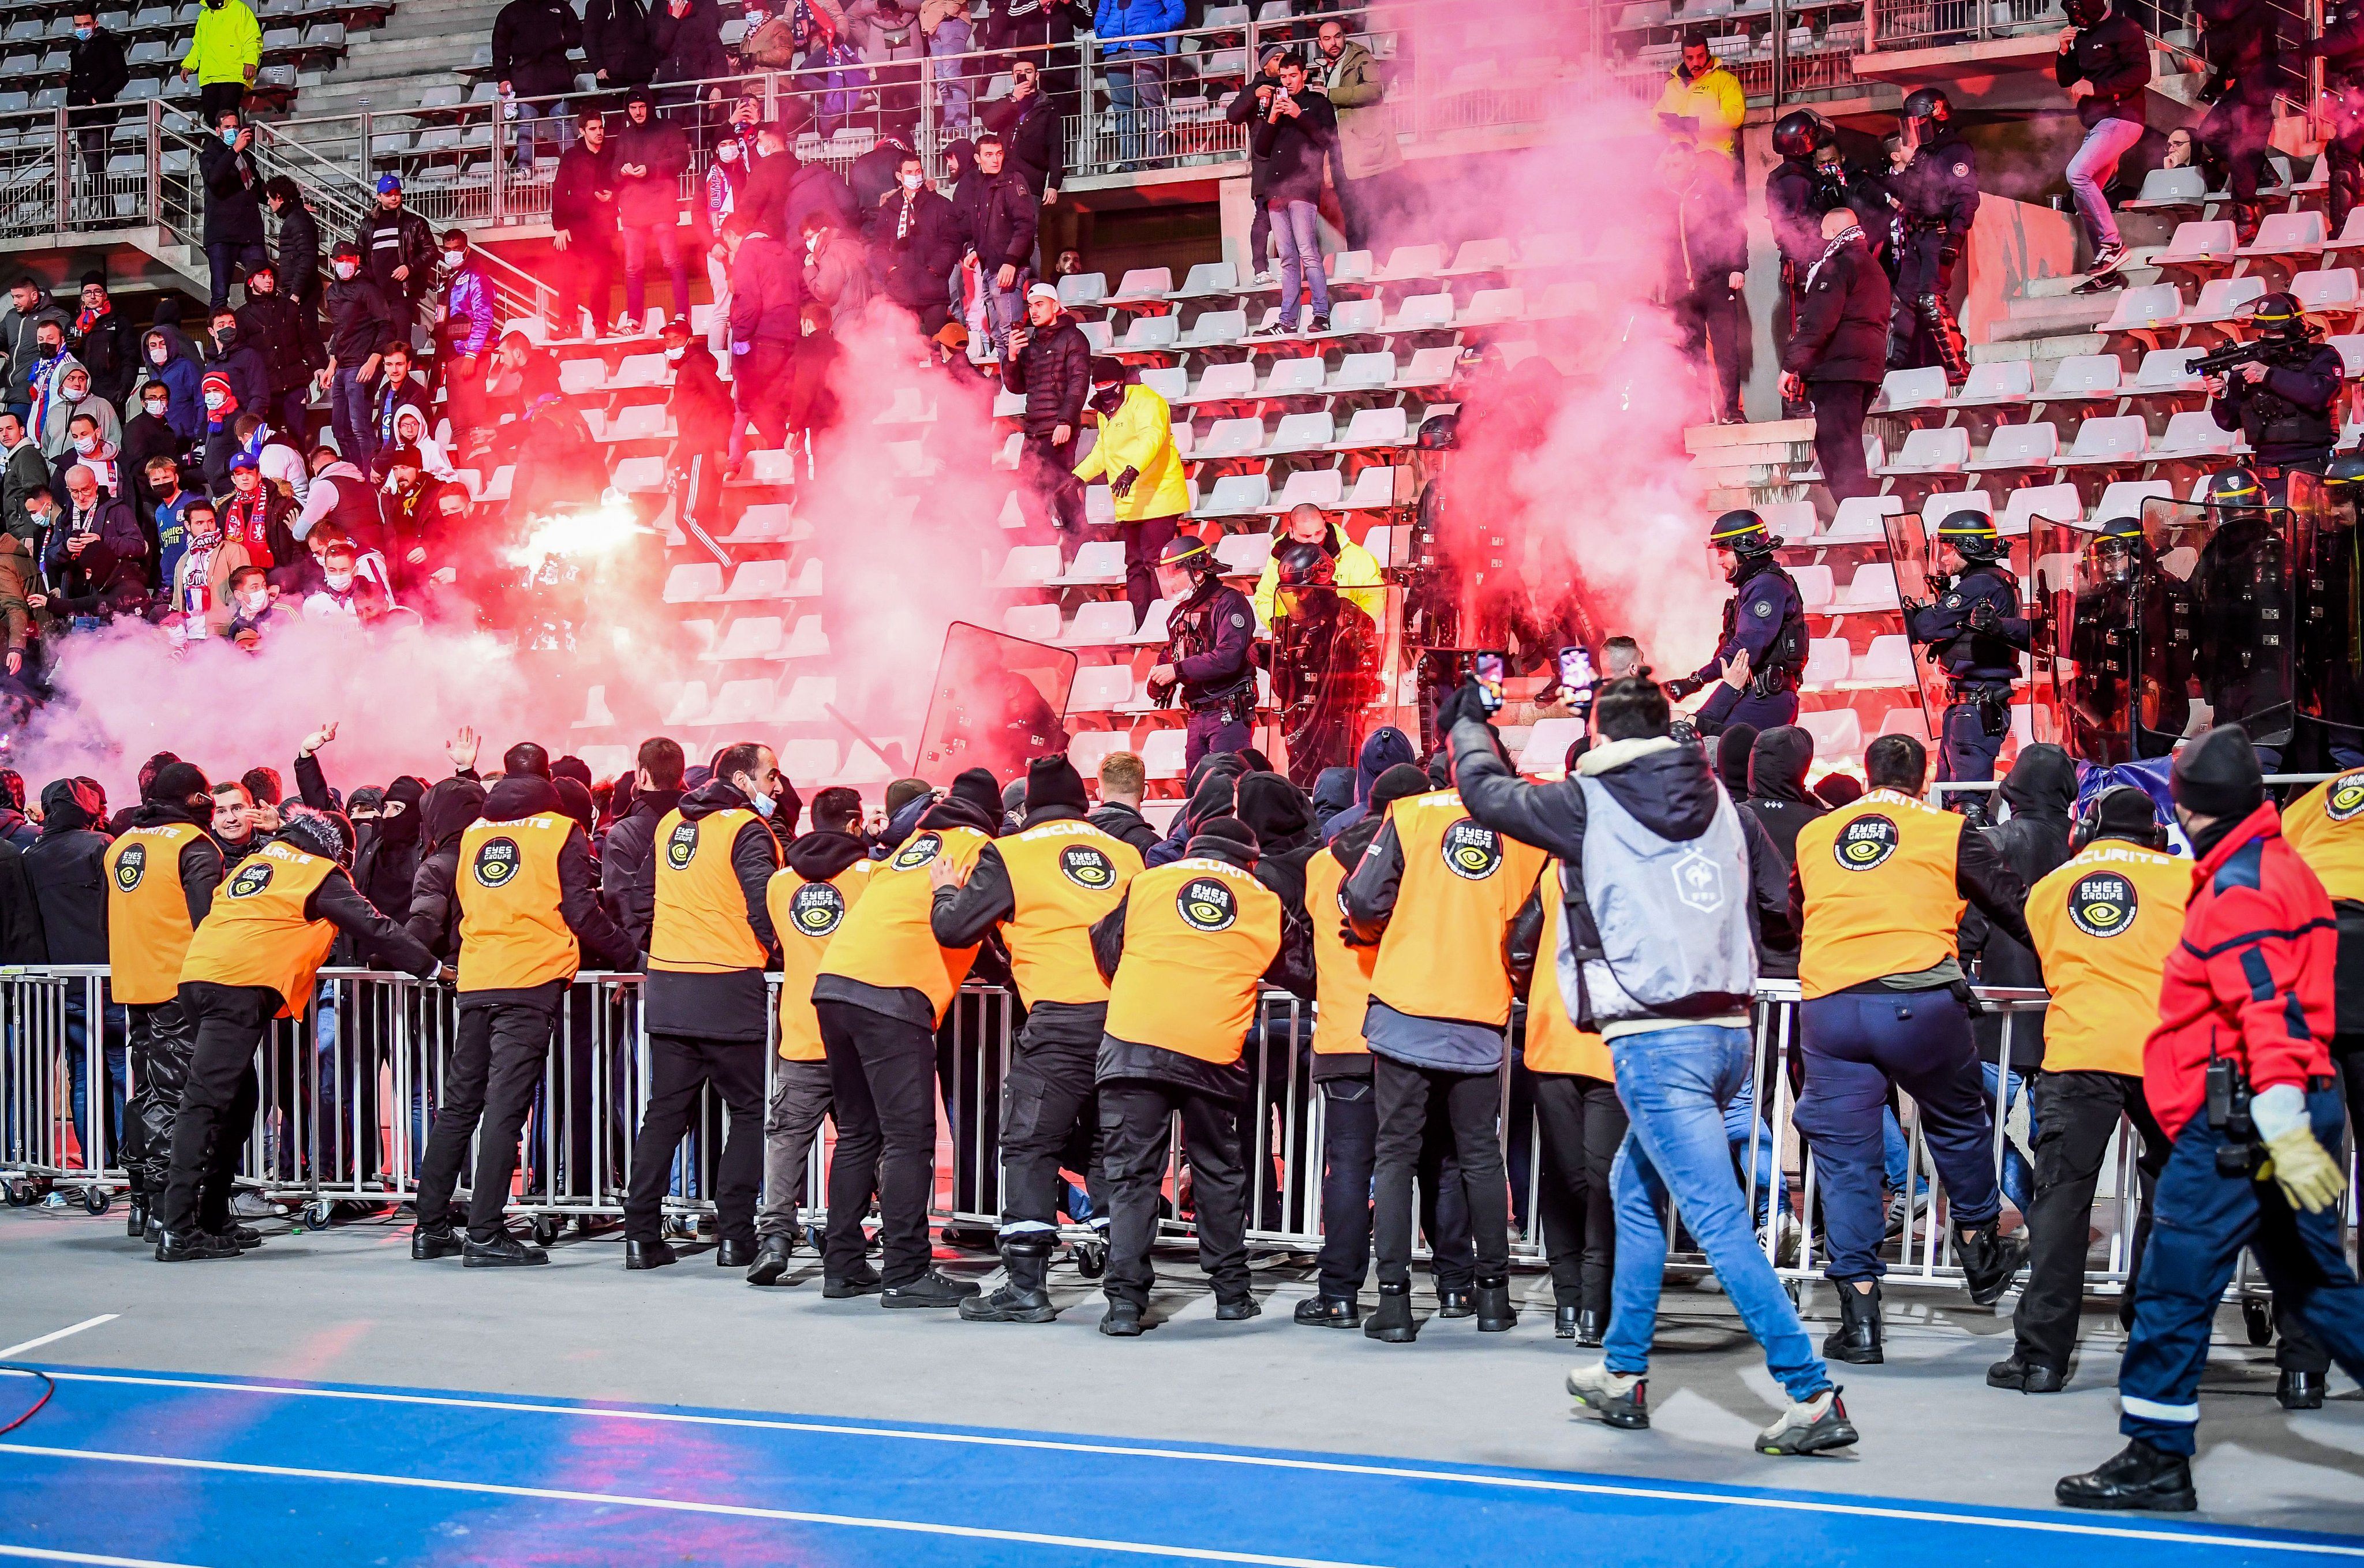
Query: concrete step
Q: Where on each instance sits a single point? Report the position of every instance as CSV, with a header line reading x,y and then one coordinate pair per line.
x,y
469,19
2056,313
1699,439
2043,350
2137,271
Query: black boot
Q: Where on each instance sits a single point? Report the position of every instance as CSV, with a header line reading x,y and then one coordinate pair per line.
x,y
1124,1320
135,1219
1592,1326
192,1247
2300,1390
245,1237
435,1241
503,1251
1330,1312
1458,1303
2137,1477
1392,1323
649,1255
1989,1263
771,1259
863,1281
1856,1339
2025,1376
1564,1323
1495,1313
1238,1309
1027,1259
734,1254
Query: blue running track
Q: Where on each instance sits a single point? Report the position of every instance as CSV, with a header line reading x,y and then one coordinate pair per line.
x,y
149,1467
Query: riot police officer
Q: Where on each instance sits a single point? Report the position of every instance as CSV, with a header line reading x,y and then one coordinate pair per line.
x,y
1209,663
2129,640
1325,660
1794,204
2244,616
1974,634
2330,662
1939,191
1765,618
2282,402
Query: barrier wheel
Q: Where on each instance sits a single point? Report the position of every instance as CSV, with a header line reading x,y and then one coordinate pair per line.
x,y
18,1193
1091,1259
2257,1318
545,1230
1795,1291
96,1200
315,1215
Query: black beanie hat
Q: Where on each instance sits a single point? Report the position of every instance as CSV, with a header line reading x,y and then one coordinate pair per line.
x,y
2125,811
1052,781
1403,779
175,781
2217,774
320,833
977,787
1225,832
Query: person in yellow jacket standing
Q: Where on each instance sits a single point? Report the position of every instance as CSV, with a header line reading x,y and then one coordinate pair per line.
x,y
161,875
1358,580
1135,451
881,990
1185,955
828,872
2105,921
530,910
1437,893
1044,886
1704,101
253,958
225,52
709,943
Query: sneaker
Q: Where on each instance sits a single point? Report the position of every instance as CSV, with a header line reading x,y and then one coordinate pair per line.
x,y
1620,1401
1809,1426
1263,280
2108,258
931,1289
863,1281
1897,1208
1316,326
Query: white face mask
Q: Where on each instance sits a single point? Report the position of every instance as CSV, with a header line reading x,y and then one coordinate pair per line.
x,y
763,804
86,444
215,399
340,581
73,397
676,355
252,603
158,354
156,405
913,181
347,269
728,152
455,260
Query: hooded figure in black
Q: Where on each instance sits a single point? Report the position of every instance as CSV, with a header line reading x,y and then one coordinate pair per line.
x,y
443,815
1777,785
386,865
2041,790
1214,791
67,868
1732,748
1382,749
1334,792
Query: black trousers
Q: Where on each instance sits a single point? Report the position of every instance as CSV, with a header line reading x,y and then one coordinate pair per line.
x,y
162,1041
2235,133
496,1065
1467,1103
1582,1123
212,97
1136,1122
882,1072
1143,543
679,1066
1838,434
2075,1114
1050,497
1350,1131
216,1102
1714,320
1050,1122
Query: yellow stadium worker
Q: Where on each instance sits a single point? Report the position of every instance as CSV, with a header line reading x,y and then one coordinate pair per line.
x,y
1044,887
253,958
1147,481
882,988
529,915
161,877
709,942
828,871
1184,954
2104,921
1359,579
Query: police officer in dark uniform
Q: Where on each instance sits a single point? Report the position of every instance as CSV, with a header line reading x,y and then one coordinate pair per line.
x,y
2130,638
2244,614
1939,190
1974,634
1210,648
2330,661
1794,204
1765,618
2282,402
2341,49
1325,662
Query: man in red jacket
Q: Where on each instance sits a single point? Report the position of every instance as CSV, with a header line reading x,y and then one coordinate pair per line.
x,y
2238,1073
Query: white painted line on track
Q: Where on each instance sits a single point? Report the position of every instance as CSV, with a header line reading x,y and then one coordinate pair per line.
x,y
46,1554
50,1338
1644,1493
675,1505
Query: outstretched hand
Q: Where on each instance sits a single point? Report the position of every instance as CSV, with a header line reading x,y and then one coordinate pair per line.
x,y
317,738
462,749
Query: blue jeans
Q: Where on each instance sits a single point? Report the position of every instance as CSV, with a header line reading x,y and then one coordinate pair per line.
x,y
2018,1175
1136,90
1678,1085
348,413
2200,1221
1896,1154
1004,307
2089,169
117,1049
1297,226
225,260
553,128
950,38
1740,1124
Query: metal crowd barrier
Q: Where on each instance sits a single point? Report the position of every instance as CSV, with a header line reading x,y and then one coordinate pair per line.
x,y
349,1092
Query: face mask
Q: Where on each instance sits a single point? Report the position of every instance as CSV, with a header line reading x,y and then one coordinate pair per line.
x,y
202,811
156,406
73,397
215,399
230,135
340,580
84,33
158,354
676,355
347,269
911,182
226,335
728,152
86,444
455,260
167,490
1109,399
253,604
765,805
49,351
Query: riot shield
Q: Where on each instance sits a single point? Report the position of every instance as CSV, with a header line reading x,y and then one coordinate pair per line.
x,y
2114,641
2330,651
1908,552
2231,569
998,703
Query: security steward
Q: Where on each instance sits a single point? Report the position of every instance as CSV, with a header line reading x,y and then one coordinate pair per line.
x,y
1974,634
1877,894
1436,893
881,989
1184,955
1044,886
2282,403
161,875
709,943
1765,618
252,959
2104,922
1939,191
529,909
2238,1073
1342,1064
1209,661
828,872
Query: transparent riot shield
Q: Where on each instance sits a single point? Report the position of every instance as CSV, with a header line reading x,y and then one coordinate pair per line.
x,y
2234,568
2112,645
2330,650
998,703
1909,553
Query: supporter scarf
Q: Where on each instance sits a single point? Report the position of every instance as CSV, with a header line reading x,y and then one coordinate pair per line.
x,y
89,318
1837,244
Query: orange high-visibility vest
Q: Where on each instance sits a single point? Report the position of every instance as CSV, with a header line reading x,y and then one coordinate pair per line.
x,y
1442,954
2325,826
1199,935
257,934
701,911
513,931
886,941
1064,877
1880,895
2105,921
1341,974
1554,1042
807,915
148,928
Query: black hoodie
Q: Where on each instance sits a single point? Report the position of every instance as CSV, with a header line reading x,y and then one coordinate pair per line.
x,y
730,1005
1283,819
1777,785
2040,789
443,815
973,801
67,868
628,871
1119,820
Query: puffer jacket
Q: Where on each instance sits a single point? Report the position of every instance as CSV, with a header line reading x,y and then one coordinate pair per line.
x,y
1055,371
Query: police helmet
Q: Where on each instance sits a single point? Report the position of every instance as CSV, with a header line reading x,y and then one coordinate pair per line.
x,y
1302,566
2279,313
1742,532
1798,132
1929,104
1973,534
2234,488
1189,550
2118,545
2345,470
1440,433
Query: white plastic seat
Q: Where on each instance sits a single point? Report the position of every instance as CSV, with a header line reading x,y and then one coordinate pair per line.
x,y
2054,503
2222,298
2351,350
1900,390
807,639
1814,587
2328,291
1082,288
1100,335
2287,234
758,580
806,700
1837,731
1791,522
1873,588
808,761
1162,754
1374,490
1170,382
694,583
1548,743
1938,507
1098,688
1226,384
1244,554
1232,437
1358,372
2019,446
1296,377
1412,262
2119,440
639,369
1153,623
639,475
1144,283
1421,313
1208,278
2199,241
1099,623
1033,623
580,376
2151,305
2084,376
2124,498
689,706
1027,566
1214,329
1374,428
752,637
1904,721
1323,487
1826,662
1886,662
2171,187
1995,382
1098,563
1932,451
1150,334
2194,434
638,422
1235,495
1088,750
1359,317
1489,305
1429,367
2167,369
1858,520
